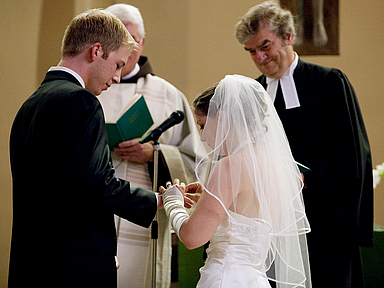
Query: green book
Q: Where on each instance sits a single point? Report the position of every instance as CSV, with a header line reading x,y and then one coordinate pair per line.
x,y
303,168
134,120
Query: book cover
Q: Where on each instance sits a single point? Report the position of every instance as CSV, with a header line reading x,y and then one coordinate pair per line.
x,y
135,119
303,168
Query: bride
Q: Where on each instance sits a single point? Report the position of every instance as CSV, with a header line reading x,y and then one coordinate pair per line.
x,y
251,207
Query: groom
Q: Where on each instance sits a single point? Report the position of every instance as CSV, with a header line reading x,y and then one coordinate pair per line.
x,y
65,193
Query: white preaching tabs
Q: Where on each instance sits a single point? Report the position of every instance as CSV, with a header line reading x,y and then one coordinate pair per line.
x,y
288,86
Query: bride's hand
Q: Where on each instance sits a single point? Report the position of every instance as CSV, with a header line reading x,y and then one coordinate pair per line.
x,y
168,185
188,202
193,191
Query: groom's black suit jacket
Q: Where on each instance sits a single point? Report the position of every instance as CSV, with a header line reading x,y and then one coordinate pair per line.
x,y
65,193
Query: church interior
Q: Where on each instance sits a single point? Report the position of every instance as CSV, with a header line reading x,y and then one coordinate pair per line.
x,y
191,44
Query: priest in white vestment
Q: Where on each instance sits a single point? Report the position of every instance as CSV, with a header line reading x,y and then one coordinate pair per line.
x,y
179,149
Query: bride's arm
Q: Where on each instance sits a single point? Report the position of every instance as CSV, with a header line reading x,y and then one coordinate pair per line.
x,y
198,228
203,222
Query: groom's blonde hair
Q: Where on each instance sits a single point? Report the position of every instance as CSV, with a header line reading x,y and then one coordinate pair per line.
x,y
92,26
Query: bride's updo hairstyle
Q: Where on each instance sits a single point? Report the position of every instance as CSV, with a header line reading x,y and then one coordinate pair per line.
x,y
210,100
201,103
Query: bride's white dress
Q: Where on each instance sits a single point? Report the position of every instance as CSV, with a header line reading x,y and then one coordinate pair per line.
x,y
236,254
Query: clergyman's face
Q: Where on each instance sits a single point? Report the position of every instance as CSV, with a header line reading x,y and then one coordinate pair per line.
x,y
134,58
105,72
271,54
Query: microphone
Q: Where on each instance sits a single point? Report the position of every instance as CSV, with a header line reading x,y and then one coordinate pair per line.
x,y
175,118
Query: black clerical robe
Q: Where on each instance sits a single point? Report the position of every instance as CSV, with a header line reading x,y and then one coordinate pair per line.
x,y
327,134
65,193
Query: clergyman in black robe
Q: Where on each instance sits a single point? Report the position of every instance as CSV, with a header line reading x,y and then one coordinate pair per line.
x,y
324,126
327,134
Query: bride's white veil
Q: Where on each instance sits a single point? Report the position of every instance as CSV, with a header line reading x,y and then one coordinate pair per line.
x,y
254,174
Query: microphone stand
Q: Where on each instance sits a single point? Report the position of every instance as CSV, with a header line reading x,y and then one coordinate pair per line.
x,y
154,226
175,118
